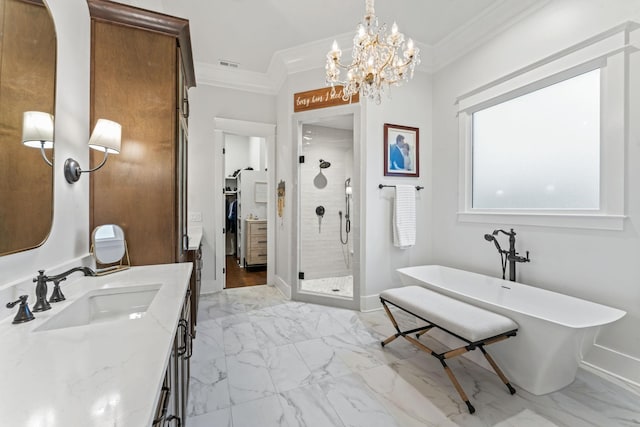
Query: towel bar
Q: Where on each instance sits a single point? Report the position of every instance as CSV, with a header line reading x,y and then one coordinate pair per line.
x,y
418,187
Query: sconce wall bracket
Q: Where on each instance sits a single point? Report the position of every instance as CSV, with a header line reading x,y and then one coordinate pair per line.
x,y
72,169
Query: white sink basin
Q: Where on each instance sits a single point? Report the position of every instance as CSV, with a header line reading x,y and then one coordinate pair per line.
x,y
104,305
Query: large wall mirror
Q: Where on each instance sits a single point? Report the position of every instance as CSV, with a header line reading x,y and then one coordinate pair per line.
x,y
27,84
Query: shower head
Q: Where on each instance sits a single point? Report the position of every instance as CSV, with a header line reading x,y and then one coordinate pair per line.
x,y
324,164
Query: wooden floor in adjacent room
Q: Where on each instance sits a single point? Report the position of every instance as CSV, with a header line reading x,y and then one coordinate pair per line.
x,y
238,277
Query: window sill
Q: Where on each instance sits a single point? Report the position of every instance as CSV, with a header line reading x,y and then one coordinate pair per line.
x,y
545,219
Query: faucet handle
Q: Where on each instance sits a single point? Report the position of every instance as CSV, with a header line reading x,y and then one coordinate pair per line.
x,y
40,276
23,314
56,294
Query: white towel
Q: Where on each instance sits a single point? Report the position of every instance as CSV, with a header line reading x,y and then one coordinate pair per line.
x,y
404,216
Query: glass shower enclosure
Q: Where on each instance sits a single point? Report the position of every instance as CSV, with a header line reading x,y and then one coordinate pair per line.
x,y
326,214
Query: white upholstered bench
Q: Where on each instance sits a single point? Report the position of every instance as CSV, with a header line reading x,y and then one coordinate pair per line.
x,y
474,325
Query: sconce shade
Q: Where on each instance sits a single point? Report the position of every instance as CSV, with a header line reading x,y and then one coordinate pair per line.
x,y
106,136
37,129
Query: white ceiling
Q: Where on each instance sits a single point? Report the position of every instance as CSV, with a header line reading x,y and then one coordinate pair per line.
x,y
250,32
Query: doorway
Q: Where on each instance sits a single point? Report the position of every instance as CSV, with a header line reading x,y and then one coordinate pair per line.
x,y
245,241
245,167
328,208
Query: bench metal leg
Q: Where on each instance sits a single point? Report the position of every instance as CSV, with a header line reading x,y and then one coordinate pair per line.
x,y
395,325
458,387
497,370
421,333
421,330
449,354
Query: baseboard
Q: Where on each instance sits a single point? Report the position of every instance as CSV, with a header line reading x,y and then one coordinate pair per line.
x,y
208,287
282,286
370,303
619,368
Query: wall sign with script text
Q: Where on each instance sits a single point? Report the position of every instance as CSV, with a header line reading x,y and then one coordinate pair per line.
x,y
321,98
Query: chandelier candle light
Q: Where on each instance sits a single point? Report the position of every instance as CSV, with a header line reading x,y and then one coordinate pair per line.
x,y
379,60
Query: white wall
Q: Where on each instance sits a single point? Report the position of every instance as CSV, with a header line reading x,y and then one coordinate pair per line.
x,y
237,154
69,239
410,105
208,102
258,153
601,266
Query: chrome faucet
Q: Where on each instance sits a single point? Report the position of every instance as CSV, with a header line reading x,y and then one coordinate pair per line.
x,y
41,287
507,256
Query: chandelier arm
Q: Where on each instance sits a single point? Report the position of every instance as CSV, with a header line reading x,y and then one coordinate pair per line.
x,y
378,60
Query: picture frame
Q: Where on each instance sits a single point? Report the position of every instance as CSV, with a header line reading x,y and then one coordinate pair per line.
x,y
260,192
401,160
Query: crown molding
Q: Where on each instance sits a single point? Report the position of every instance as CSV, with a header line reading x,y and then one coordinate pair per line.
x,y
311,56
483,27
249,81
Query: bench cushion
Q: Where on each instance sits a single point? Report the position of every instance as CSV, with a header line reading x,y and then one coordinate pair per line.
x,y
465,320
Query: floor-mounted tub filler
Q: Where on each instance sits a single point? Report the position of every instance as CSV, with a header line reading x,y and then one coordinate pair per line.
x,y
554,329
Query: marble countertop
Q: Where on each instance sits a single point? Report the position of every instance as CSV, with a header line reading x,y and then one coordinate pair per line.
x,y
195,237
105,374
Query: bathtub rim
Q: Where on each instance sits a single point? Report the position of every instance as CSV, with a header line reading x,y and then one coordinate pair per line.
x,y
610,314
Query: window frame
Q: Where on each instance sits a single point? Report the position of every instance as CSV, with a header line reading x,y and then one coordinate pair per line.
x,y
608,52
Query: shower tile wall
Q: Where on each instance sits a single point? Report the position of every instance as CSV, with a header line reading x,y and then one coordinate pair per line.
x,y
322,254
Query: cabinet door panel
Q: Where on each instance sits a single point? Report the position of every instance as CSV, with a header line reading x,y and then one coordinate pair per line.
x,y
133,83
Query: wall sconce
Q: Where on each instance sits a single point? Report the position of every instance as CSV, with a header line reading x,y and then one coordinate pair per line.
x,y
106,137
37,131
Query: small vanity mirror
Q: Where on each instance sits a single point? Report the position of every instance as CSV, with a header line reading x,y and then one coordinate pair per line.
x,y
109,249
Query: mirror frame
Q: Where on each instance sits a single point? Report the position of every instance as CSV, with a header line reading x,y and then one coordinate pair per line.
x,y
108,268
48,218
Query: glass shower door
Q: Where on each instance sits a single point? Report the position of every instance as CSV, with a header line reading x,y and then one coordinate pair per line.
x,y
326,244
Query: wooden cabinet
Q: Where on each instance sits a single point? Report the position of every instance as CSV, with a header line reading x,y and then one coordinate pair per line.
x,y
249,205
141,68
171,409
256,244
195,256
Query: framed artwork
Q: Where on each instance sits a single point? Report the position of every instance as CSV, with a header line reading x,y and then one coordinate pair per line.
x,y
260,192
401,151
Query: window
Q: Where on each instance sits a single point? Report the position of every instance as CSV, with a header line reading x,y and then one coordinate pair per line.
x,y
540,150
544,145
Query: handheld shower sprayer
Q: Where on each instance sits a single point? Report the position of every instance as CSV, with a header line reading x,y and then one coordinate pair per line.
x,y
507,256
348,190
491,238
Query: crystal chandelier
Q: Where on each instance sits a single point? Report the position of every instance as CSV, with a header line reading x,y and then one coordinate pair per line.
x,y
379,60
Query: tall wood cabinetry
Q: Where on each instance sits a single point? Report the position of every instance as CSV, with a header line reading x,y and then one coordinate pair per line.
x,y
141,68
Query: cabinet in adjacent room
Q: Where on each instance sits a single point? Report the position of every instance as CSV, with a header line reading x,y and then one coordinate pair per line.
x,y
141,69
256,244
251,204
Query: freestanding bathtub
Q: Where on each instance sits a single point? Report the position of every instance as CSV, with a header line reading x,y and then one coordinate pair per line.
x,y
554,329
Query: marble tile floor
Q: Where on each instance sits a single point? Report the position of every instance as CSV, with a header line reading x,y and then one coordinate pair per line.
x,y
340,286
260,361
